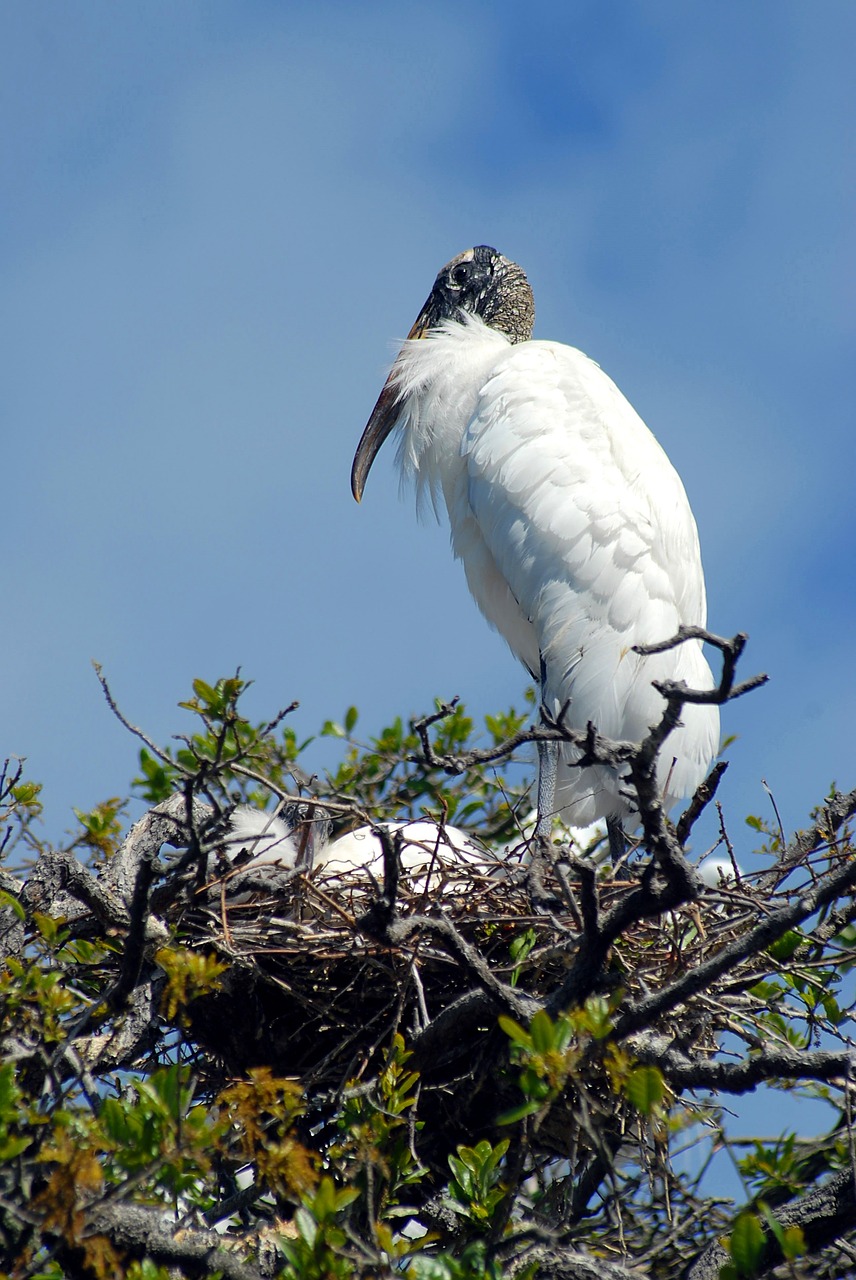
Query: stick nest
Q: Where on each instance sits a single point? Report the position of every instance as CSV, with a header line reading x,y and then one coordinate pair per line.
x,y
313,992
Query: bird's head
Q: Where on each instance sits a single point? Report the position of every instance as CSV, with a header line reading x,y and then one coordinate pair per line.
x,y
483,283
479,281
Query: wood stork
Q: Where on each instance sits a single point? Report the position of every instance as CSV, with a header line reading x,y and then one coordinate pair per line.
x,y
575,532
718,872
423,845
266,837
425,848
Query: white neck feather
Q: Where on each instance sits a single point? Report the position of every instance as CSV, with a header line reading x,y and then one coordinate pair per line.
x,y
438,379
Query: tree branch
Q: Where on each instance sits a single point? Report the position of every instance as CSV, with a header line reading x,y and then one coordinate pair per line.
x,y
824,1214
686,1071
146,1233
755,940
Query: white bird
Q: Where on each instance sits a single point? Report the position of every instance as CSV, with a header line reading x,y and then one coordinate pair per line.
x,y
424,848
423,843
574,529
718,872
266,837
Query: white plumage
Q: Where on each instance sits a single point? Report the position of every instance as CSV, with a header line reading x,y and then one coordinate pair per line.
x,y
573,527
266,837
718,872
425,849
424,846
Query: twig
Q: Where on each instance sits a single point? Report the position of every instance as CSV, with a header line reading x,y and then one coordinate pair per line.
x,y
134,729
441,928
731,651
704,793
752,942
281,794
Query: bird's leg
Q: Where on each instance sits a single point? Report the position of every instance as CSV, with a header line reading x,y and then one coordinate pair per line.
x,y
548,762
548,759
617,840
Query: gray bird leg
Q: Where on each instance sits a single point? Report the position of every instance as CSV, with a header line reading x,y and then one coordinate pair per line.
x,y
548,760
617,840
548,763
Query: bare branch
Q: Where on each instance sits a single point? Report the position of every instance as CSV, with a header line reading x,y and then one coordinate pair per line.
x,y
134,729
824,1214
704,793
773,1061
147,1233
731,651
755,940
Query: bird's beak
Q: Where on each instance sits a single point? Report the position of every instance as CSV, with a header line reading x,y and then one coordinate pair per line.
x,y
383,418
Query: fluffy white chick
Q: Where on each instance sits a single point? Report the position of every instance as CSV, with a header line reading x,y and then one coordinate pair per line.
x,y
424,845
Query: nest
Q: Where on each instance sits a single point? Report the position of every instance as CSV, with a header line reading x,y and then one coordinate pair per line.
x,y
314,992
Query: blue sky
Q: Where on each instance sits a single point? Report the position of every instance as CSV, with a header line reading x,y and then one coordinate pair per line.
x,y
216,220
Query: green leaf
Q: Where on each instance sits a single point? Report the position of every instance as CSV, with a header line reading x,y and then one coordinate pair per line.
x,y
519,1113
542,1031
598,1020
786,946
47,926
515,1032
793,1242
9,900
645,1089
747,1243
204,692
521,946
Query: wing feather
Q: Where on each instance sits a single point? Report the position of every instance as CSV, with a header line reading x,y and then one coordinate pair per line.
x,y
589,525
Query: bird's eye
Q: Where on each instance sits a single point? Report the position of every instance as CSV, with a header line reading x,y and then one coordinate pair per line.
x,y
458,277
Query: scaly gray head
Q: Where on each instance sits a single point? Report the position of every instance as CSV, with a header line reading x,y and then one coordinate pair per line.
x,y
479,281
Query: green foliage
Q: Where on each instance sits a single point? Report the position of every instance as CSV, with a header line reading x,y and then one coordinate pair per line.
x,y
773,842
225,745
382,775
646,1089
746,1246
374,1149
13,1115
189,974
791,1240
748,1242
549,1052
102,827
385,775
20,808
35,997
476,1191
471,1262
335,1179
519,948
318,1252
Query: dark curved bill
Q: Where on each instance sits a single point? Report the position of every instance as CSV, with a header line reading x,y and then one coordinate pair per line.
x,y
383,419
378,427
